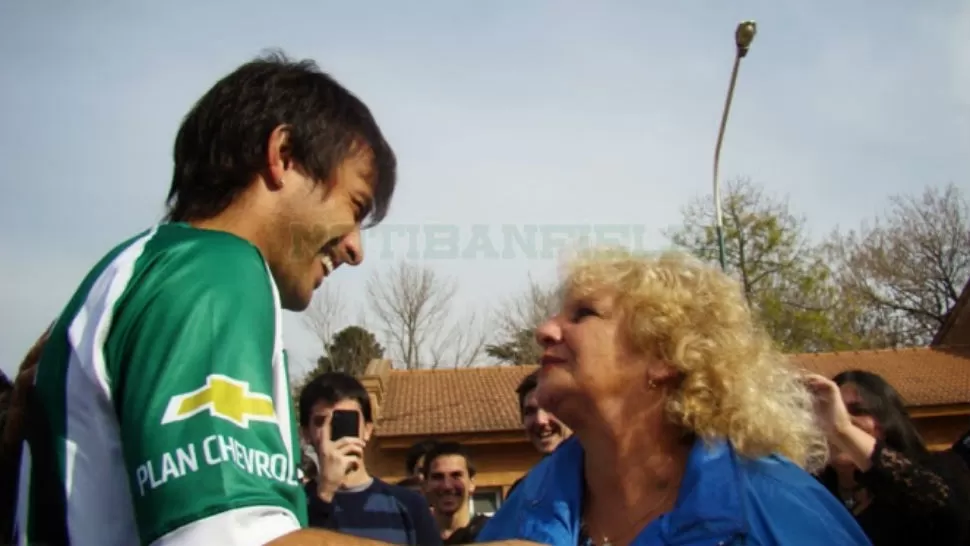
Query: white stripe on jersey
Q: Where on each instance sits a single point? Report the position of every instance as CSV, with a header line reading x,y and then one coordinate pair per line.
x,y
99,506
281,385
23,495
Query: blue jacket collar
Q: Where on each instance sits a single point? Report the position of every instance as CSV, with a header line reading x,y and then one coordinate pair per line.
x,y
709,502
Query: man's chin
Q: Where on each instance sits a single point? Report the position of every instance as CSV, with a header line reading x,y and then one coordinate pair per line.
x,y
448,507
296,305
297,299
548,444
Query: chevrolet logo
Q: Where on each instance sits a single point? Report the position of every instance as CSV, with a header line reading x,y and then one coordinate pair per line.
x,y
225,398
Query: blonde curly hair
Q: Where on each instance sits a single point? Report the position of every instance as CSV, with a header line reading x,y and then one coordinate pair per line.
x,y
736,385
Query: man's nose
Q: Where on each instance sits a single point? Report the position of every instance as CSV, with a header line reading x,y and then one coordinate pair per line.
x,y
542,417
350,249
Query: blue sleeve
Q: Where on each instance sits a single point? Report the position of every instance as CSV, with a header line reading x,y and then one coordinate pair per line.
x,y
799,512
502,524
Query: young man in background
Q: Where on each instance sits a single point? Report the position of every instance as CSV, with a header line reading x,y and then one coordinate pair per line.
x,y
543,429
345,497
449,485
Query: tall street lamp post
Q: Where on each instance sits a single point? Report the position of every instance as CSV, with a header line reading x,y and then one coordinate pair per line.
x,y
743,36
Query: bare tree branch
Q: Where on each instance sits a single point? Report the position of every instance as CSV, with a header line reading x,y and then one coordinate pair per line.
x,y
413,306
515,321
461,346
323,316
911,264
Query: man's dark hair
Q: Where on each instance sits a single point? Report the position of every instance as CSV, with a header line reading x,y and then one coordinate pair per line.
x,y
331,388
222,143
415,452
447,448
881,401
527,385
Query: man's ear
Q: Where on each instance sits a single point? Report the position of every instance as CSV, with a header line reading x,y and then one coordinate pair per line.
x,y
278,159
367,432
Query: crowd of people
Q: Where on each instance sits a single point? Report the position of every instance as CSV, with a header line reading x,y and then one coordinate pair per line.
x,y
821,461
432,504
156,409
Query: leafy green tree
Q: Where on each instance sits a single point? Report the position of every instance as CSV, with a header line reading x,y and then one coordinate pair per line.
x,y
783,275
521,349
350,351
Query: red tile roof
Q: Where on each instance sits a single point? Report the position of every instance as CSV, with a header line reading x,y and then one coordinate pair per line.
x,y
923,376
429,402
452,401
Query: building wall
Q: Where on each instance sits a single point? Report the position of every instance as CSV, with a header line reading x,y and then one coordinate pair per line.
x,y
942,431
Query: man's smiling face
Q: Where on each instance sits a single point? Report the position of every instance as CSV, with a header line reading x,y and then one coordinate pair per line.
x,y
542,428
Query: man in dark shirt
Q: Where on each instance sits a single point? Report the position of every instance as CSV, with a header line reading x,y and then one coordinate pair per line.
x,y
449,484
345,497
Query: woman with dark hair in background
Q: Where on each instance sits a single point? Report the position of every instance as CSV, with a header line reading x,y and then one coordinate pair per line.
x,y
898,491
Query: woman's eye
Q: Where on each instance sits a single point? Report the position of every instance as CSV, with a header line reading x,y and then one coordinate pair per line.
x,y
582,313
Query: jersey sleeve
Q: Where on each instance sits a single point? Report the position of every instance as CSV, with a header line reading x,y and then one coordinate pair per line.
x,y
201,394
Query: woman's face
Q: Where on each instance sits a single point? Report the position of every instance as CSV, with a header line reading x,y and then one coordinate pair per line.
x,y
586,358
858,412
860,417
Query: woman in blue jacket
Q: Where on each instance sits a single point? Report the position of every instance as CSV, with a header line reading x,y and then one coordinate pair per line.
x,y
690,428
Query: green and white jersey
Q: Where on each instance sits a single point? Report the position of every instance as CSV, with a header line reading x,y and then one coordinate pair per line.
x,y
163,411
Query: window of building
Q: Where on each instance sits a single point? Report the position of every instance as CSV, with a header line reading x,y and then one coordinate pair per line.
x,y
486,500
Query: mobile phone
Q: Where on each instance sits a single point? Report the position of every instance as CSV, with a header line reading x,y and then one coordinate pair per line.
x,y
344,423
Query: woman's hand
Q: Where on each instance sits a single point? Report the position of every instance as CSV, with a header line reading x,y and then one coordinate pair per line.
x,y
830,409
836,422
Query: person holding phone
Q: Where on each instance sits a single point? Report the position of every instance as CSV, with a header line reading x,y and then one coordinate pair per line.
x,y
336,419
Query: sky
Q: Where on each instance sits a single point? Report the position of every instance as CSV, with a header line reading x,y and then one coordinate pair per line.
x,y
559,115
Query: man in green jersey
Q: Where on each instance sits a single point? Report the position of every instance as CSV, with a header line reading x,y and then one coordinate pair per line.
x,y
161,411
